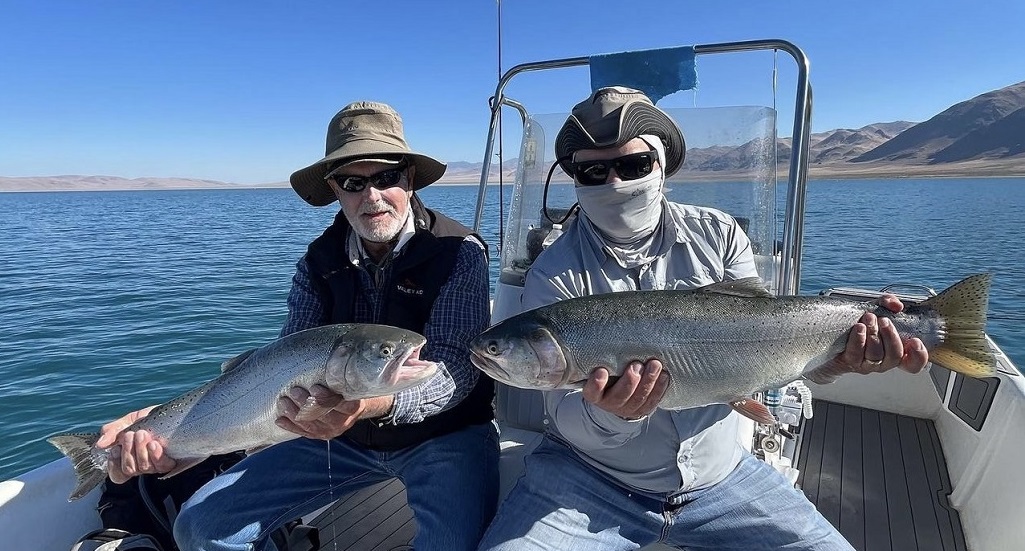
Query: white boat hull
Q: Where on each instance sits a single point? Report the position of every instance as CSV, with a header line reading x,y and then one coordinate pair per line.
x,y
35,513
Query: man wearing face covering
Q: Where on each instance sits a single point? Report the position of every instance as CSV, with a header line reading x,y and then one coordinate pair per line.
x,y
613,471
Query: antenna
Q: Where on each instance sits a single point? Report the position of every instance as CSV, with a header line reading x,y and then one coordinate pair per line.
x,y
501,159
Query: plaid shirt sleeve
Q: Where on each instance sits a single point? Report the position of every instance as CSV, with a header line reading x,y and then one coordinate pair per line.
x,y
305,309
461,312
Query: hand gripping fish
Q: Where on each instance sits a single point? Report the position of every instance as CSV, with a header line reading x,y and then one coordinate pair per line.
x,y
723,342
236,411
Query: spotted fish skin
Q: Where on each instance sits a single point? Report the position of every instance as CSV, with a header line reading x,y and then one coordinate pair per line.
x,y
237,410
720,343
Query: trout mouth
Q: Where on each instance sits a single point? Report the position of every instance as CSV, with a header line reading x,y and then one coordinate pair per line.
x,y
409,368
489,366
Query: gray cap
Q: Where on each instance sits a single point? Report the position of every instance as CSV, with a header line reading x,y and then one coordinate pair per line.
x,y
612,116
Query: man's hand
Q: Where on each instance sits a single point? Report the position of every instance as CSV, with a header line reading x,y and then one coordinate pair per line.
x,y
636,393
875,346
338,414
137,451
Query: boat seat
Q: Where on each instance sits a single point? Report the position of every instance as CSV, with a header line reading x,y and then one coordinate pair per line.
x,y
521,420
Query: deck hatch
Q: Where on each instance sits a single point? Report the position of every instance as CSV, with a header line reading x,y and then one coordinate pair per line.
x,y
970,399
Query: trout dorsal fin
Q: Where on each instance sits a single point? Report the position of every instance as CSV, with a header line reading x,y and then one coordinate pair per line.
x,y
745,287
228,365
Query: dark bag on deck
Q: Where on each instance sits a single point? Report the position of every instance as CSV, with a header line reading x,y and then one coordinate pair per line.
x,y
110,539
148,506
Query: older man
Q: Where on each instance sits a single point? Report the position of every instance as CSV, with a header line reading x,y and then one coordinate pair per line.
x,y
385,259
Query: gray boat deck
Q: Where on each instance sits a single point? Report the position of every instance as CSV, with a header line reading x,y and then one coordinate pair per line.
x,y
880,478
375,518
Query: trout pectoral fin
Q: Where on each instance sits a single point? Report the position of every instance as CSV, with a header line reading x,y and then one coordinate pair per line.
x,y
182,465
825,374
753,409
311,410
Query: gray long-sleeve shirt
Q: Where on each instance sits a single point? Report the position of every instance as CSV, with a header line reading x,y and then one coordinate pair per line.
x,y
667,451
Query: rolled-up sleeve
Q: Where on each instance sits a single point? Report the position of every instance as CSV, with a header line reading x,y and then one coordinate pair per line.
x,y
460,313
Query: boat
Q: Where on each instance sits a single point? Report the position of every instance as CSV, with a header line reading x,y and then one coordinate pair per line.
x,y
894,461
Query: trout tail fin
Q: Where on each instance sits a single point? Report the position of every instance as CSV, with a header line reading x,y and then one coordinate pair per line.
x,y
964,348
89,463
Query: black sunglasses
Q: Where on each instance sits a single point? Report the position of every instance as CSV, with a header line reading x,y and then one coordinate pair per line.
x,y
628,167
382,180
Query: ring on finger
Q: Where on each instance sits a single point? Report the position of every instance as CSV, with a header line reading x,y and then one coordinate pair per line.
x,y
873,362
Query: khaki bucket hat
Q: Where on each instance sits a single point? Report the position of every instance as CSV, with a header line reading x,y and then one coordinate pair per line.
x,y
363,131
612,116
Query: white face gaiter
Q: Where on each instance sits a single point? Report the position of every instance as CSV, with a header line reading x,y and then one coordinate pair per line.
x,y
629,210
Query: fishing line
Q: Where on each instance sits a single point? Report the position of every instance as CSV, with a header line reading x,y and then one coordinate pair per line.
x,y
331,497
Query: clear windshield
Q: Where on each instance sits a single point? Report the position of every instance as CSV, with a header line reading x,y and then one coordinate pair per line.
x,y
730,165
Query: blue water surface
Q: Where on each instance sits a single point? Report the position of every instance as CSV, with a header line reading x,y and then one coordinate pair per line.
x,y
110,301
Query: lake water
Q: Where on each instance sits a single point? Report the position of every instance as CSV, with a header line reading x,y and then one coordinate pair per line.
x,y
110,301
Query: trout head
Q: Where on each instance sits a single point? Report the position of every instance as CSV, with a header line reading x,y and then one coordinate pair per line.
x,y
376,360
521,352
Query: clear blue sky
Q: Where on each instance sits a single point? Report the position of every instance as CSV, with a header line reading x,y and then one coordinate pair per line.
x,y
241,91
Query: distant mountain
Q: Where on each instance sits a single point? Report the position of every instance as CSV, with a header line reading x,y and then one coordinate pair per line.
x,y
974,119
832,146
466,172
724,158
844,144
1003,138
115,183
983,136
460,166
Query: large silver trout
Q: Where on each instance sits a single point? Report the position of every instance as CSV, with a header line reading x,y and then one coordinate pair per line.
x,y
236,411
723,342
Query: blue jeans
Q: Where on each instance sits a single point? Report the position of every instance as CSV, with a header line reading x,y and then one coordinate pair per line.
x,y
451,485
562,503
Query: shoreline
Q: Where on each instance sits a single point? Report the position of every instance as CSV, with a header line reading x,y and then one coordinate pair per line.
x,y
969,169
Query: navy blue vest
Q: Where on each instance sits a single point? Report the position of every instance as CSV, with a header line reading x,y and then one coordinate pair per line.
x,y
407,296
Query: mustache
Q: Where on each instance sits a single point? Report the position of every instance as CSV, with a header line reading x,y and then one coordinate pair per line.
x,y
376,208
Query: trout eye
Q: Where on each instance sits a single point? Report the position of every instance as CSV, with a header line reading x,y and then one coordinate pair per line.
x,y
492,348
387,349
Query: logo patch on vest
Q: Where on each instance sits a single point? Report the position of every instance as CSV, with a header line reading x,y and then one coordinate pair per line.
x,y
409,288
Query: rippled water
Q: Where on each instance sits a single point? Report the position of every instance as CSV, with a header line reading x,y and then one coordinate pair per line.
x,y
112,301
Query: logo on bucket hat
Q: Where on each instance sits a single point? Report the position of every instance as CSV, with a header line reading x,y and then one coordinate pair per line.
x,y
363,131
612,116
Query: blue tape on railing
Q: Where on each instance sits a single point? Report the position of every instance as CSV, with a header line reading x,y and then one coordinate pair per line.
x,y
657,73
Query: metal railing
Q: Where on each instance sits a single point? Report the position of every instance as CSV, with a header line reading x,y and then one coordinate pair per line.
x,y
789,275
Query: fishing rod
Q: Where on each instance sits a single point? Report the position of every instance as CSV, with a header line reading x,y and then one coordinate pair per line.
x,y
501,158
